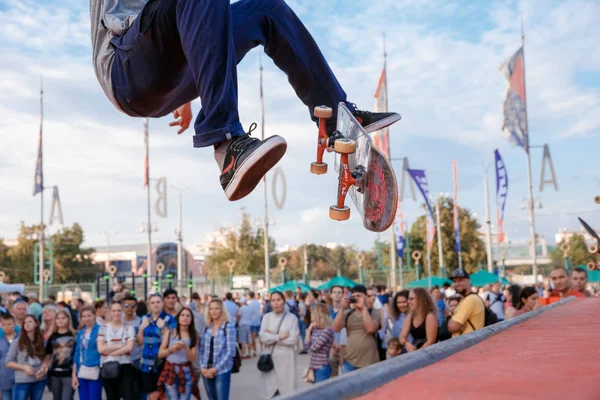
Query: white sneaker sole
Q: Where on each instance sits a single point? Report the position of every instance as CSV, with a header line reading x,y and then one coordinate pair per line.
x,y
383,123
252,170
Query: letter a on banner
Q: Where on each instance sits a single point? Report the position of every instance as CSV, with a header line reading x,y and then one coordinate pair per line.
x,y
160,207
548,158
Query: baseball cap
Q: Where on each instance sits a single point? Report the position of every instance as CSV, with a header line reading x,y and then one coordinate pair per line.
x,y
359,289
459,273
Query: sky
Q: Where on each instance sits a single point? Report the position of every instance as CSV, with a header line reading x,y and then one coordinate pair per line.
x,y
443,78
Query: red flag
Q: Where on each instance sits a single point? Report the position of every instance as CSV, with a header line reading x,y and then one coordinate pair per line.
x,y
381,137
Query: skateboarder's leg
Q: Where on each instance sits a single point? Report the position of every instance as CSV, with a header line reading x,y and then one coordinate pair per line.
x,y
176,51
286,40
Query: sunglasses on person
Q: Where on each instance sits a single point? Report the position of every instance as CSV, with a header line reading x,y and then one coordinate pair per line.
x,y
129,305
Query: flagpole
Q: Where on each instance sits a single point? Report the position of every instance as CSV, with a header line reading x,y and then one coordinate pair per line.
x,y
529,182
266,216
149,226
41,236
393,277
488,222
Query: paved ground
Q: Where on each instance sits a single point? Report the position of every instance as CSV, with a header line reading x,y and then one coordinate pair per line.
x,y
552,356
246,384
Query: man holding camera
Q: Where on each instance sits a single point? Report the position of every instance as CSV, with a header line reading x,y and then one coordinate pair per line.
x,y
361,326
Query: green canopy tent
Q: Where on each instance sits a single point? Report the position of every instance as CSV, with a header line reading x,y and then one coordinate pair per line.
x,y
291,285
338,281
483,277
435,280
593,275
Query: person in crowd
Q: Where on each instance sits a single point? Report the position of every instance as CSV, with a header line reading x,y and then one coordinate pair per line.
x,y
217,350
86,368
62,305
196,303
154,325
180,349
244,314
495,301
393,347
514,293
48,317
301,320
279,334
254,305
452,304
101,309
448,290
171,300
399,309
231,307
25,357
470,313
579,280
267,306
374,304
115,344
319,340
7,375
421,323
361,328
382,295
338,350
141,309
347,291
440,305
562,284
17,322
528,301
60,346
35,308
130,318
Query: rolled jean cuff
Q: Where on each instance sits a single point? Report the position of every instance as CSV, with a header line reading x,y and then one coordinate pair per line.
x,y
206,139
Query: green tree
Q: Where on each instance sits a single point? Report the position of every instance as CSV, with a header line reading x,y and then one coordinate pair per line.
x,y
578,252
20,268
71,261
472,247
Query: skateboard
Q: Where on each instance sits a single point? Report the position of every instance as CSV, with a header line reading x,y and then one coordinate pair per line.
x,y
594,248
365,173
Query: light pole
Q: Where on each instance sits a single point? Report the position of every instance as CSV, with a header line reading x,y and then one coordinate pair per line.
x,y
488,223
179,233
531,205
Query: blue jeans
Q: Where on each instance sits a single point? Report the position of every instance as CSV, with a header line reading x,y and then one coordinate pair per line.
x,y
178,50
302,328
31,391
323,373
348,368
90,390
7,394
218,387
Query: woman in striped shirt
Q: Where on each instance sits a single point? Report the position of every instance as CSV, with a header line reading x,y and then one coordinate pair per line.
x,y
319,340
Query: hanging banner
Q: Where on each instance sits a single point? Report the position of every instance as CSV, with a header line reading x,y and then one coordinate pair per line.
x,y
515,109
501,192
160,206
381,137
400,232
456,224
420,179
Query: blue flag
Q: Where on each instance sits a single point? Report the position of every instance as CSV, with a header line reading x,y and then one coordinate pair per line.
x,y
399,229
38,181
420,179
501,192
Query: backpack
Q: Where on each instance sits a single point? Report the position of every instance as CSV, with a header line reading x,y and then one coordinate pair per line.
x,y
294,309
237,359
380,350
490,317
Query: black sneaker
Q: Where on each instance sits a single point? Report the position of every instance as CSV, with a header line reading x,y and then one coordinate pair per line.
x,y
374,121
246,161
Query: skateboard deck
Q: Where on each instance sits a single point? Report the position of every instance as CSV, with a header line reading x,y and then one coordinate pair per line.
x,y
375,191
590,230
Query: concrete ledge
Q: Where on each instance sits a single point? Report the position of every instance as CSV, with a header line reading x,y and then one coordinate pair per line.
x,y
365,380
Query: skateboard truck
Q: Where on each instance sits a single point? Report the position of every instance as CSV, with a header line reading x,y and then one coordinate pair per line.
x,y
344,147
323,113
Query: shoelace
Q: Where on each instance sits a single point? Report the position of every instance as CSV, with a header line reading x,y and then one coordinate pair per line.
x,y
243,141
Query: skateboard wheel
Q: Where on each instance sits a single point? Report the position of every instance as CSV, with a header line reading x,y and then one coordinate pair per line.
x,y
318,169
597,199
323,112
344,146
593,249
339,214
592,266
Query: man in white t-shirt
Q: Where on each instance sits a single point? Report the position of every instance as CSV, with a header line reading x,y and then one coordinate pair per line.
x,y
244,315
254,306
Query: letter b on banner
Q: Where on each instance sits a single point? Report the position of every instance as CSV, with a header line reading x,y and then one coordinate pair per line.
x,y
160,206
